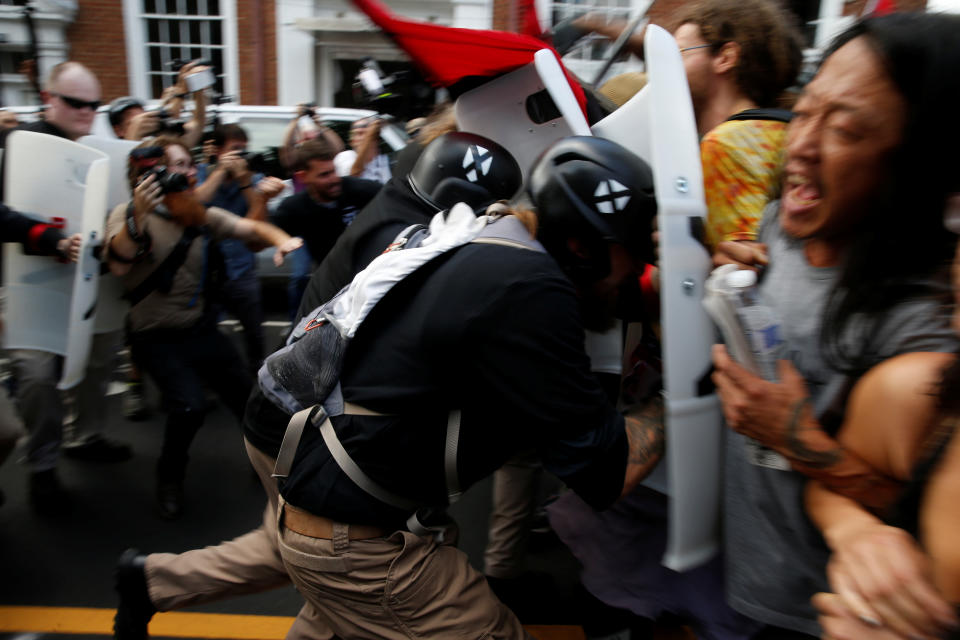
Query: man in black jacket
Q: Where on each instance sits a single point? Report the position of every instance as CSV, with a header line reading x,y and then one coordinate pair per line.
x,y
251,562
321,212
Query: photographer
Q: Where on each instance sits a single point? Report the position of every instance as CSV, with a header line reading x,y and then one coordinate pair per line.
x,y
363,159
305,126
197,74
162,245
131,121
228,182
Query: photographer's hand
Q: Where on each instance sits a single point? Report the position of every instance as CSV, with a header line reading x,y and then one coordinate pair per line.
x,y
142,125
189,69
209,151
304,109
235,167
269,187
146,197
286,247
123,249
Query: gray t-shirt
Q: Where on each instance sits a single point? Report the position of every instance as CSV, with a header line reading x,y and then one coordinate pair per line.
x,y
775,555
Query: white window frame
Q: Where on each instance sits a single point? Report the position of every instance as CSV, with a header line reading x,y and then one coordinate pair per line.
x,y
136,39
603,7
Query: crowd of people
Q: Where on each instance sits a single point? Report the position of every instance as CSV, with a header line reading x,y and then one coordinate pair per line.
x,y
442,309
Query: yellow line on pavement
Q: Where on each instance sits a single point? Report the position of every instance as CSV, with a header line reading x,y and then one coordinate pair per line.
x,y
169,625
176,624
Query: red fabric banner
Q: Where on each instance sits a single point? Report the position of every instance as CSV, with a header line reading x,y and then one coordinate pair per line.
x,y
446,55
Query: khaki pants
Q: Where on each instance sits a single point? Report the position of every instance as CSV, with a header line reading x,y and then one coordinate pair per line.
x,y
248,564
516,487
401,586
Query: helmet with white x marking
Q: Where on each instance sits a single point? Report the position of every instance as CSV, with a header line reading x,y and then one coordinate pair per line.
x,y
595,190
465,167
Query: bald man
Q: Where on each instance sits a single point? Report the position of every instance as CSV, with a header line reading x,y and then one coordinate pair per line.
x,y
71,96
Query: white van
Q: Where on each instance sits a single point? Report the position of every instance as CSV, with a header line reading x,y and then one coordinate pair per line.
x,y
264,124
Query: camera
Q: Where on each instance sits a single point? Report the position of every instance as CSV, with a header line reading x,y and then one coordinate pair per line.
x,y
149,161
199,80
403,93
169,182
308,109
166,123
266,162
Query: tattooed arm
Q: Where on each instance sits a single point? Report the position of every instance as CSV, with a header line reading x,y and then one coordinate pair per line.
x,y
645,437
778,415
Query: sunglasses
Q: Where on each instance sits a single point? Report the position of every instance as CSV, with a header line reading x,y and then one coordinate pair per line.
x,y
77,103
699,46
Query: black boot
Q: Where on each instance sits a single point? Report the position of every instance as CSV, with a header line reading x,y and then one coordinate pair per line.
x,y
169,498
134,609
181,428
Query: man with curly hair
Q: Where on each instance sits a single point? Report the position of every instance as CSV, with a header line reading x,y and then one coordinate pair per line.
x,y
740,57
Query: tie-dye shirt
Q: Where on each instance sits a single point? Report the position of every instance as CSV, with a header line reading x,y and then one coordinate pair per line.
x,y
742,163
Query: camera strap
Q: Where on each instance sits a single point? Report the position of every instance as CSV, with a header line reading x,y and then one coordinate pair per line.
x,y
161,278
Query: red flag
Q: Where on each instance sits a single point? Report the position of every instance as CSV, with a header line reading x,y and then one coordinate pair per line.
x,y
879,8
529,23
446,55
884,7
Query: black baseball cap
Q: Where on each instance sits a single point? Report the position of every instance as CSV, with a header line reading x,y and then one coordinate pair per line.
x,y
118,106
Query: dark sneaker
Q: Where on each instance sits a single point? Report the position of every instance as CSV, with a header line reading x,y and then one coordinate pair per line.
x,y
95,448
134,406
47,495
170,499
134,609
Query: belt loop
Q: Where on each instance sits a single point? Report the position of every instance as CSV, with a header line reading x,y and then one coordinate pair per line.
x,y
341,537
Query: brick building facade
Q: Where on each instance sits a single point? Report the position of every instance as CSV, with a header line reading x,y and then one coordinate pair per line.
x,y
286,51
96,39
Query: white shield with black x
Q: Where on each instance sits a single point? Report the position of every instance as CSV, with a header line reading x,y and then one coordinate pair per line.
x,y
610,196
476,159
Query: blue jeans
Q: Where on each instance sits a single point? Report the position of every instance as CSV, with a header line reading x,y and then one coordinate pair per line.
x,y
301,265
241,298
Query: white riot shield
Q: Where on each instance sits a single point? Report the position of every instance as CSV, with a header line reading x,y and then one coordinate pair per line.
x,y
111,307
500,109
658,125
50,306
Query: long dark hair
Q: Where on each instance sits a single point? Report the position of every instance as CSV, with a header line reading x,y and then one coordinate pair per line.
x,y
902,244
948,396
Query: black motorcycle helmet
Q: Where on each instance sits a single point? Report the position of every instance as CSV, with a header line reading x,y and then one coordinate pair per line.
x,y
464,167
597,191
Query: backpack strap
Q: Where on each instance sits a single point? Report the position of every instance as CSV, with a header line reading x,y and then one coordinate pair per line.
x,y
508,231
450,456
317,415
354,472
768,113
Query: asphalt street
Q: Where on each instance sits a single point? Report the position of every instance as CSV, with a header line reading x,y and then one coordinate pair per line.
x,y
66,560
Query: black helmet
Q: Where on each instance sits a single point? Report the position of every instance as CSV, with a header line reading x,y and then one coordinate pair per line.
x,y
593,189
465,167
